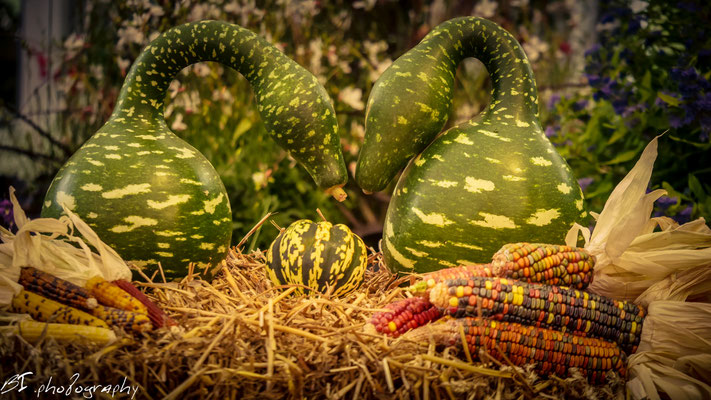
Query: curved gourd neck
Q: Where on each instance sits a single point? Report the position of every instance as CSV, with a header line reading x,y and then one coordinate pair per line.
x,y
144,90
513,86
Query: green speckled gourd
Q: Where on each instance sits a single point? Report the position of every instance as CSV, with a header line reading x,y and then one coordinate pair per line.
x,y
318,255
493,180
153,197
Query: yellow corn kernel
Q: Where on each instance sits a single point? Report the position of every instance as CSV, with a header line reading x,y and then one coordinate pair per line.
x,y
46,310
33,331
111,295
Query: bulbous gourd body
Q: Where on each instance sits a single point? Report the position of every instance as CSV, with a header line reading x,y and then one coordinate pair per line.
x,y
153,197
320,255
492,180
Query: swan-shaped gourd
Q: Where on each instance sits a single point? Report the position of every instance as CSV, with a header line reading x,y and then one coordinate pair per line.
x,y
493,180
155,198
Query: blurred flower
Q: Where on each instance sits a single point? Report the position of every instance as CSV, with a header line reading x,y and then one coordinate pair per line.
x,y
129,35
366,5
665,202
553,101
352,97
8,217
178,124
550,131
534,47
486,8
637,6
565,48
684,215
585,182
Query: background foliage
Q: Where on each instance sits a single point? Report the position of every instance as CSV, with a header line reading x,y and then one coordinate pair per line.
x,y
611,76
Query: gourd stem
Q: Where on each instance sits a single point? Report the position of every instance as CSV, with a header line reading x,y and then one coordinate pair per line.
x,y
513,86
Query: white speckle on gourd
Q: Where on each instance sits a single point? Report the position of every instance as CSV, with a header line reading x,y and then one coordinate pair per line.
x,y
92,215
173,200
417,253
564,188
494,135
540,161
127,190
543,217
513,178
475,185
94,162
169,233
67,199
164,254
445,184
522,124
134,222
428,243
207,246
211,205
494,221
183,152
433,218
579,204
190,181
163,245
463,139
92,187
492,160
467,246
402,260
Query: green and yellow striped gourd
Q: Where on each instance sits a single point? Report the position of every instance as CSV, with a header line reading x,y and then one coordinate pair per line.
x,y
153,197
492,180
321,256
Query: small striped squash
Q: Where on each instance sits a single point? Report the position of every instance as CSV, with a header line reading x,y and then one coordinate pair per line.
x,y
319,255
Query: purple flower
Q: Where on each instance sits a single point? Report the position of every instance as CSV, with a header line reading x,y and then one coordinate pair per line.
x,y
585,182
8,218
550,131
665,202
684,215
580,105
555,98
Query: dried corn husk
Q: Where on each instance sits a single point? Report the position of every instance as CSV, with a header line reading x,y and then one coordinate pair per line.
x,y
60,247
631,256
661,270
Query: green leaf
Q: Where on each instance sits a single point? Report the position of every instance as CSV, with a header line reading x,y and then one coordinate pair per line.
x,y
671,100
623,157
696,188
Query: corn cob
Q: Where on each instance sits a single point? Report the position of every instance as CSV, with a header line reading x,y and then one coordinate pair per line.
x,y
56,288
111,295
555,307
158,317
551,351
404,315
46,310
34,331
544,263
128,320
465,271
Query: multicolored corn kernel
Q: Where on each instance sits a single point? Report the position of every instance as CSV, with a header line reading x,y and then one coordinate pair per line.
x,y
430,279
111,295
158,317
551,351
34,331
56,288
569,310
128,320
545,263
47,310
404,315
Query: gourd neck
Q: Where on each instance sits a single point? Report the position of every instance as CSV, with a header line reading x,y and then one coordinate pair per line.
x,y
144,90
513,85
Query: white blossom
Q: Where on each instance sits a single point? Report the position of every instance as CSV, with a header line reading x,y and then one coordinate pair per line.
x,y
486,8
352,97
534,47
178,124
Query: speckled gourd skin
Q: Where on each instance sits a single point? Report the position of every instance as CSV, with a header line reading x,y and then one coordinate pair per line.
x,y
492,180
153,197
318,255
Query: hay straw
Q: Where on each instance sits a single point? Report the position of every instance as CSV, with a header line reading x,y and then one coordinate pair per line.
x,y
239,336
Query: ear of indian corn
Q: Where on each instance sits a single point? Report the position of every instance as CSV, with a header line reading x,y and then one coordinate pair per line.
x,y
551,351
545,263
47,310
111,295
432,278
33,331
128,320
557,307
158,317
56,288
404,315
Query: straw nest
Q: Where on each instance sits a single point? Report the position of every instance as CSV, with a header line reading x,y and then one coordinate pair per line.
x,y
239,336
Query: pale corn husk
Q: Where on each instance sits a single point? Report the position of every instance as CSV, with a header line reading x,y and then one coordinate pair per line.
x,y
60,247
659,270
674,355
631,256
